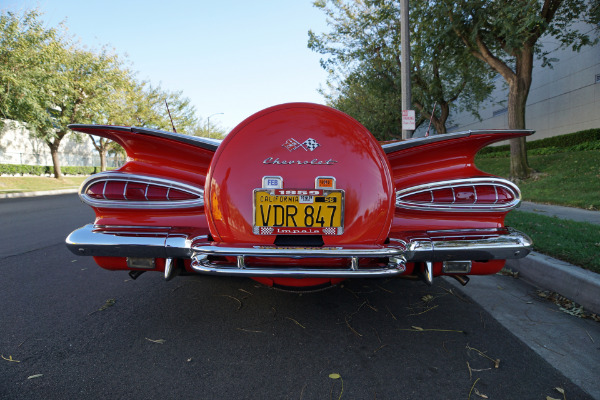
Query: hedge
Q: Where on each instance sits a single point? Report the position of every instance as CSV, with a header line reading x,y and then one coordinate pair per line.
x,y
40,170
577,141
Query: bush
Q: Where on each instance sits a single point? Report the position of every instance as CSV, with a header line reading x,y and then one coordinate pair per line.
x,y
577,141
40,170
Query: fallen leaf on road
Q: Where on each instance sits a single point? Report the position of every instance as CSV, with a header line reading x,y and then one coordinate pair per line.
x,y
9,359
159,341
35,376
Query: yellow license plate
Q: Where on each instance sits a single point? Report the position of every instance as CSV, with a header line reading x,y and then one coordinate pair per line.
x,y
285,211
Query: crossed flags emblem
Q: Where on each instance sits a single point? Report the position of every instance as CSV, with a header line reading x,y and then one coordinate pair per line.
x,y
308,145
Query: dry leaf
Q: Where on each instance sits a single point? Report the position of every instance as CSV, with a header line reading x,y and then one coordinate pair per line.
x,y
35,376
109,303
427,298
159,341
296,322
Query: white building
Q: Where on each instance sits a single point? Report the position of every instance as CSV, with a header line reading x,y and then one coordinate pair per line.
x,y
17,146
563,99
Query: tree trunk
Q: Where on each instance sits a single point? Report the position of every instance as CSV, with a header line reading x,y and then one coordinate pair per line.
x,y
102,159
440,126
517,102
56,159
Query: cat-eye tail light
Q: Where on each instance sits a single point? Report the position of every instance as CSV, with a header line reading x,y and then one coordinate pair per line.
x,y
460,195
119,190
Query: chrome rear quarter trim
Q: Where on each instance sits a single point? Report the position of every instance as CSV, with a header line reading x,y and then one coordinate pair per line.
x,y
477,245
92,240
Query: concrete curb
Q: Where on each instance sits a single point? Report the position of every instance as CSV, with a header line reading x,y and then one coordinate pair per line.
x,y
571,281
36,194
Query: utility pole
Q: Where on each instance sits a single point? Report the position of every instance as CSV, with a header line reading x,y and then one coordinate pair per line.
x,y
405,68
208,122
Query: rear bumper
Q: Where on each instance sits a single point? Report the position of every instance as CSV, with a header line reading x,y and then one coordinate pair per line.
x,y
432,246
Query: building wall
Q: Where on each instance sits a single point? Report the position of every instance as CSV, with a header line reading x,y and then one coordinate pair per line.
x,y
562,99
17,146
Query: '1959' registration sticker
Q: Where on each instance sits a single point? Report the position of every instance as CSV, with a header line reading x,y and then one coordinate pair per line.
x,y
298,211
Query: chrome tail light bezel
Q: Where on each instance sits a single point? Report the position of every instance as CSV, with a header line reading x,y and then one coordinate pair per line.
x,y
142,204
497,206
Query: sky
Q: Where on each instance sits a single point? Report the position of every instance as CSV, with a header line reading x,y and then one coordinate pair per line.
x,y
231,58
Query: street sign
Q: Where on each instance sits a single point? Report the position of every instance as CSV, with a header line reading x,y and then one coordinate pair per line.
x,y
408,120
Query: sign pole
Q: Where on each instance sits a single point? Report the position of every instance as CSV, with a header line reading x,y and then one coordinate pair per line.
x,y
405,67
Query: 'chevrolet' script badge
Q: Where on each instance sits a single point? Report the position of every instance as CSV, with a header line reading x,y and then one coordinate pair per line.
x,y
308,145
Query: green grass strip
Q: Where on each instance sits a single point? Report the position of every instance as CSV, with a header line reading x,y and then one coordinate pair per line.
x,y
569,179
13,184
575,242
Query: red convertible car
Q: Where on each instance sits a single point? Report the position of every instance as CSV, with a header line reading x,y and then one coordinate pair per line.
x,y
300,196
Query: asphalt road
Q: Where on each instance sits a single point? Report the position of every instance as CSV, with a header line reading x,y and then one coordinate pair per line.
x,y
78,331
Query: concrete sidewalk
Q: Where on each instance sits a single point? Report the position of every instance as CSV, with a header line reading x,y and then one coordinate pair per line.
x,y
574,214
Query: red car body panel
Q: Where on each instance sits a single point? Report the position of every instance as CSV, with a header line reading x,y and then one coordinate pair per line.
x,y
413,207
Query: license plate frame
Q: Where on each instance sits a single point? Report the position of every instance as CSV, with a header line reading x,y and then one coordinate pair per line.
x,y
290,217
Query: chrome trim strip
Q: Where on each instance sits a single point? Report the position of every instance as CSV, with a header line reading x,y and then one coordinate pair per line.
x,y
449,245
143,179
203,265
168,269
91,240
457,246
407,144
205,143
428,273
209,249
459,207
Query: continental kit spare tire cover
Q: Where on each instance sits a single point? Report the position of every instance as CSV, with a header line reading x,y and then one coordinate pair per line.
x,y
288,148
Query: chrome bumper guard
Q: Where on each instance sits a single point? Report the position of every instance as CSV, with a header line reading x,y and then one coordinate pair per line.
x,y
153,242
394,253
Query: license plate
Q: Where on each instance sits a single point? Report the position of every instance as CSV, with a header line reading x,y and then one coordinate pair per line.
x,y
291,212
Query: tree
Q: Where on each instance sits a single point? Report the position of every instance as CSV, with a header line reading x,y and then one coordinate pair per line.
x,y
48,83
26,47
88,84
504,34
208,130
142,105
364,64
370,98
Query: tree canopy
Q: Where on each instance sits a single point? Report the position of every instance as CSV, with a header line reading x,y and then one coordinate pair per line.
x,y
456,47
505,35
364,63
49,82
